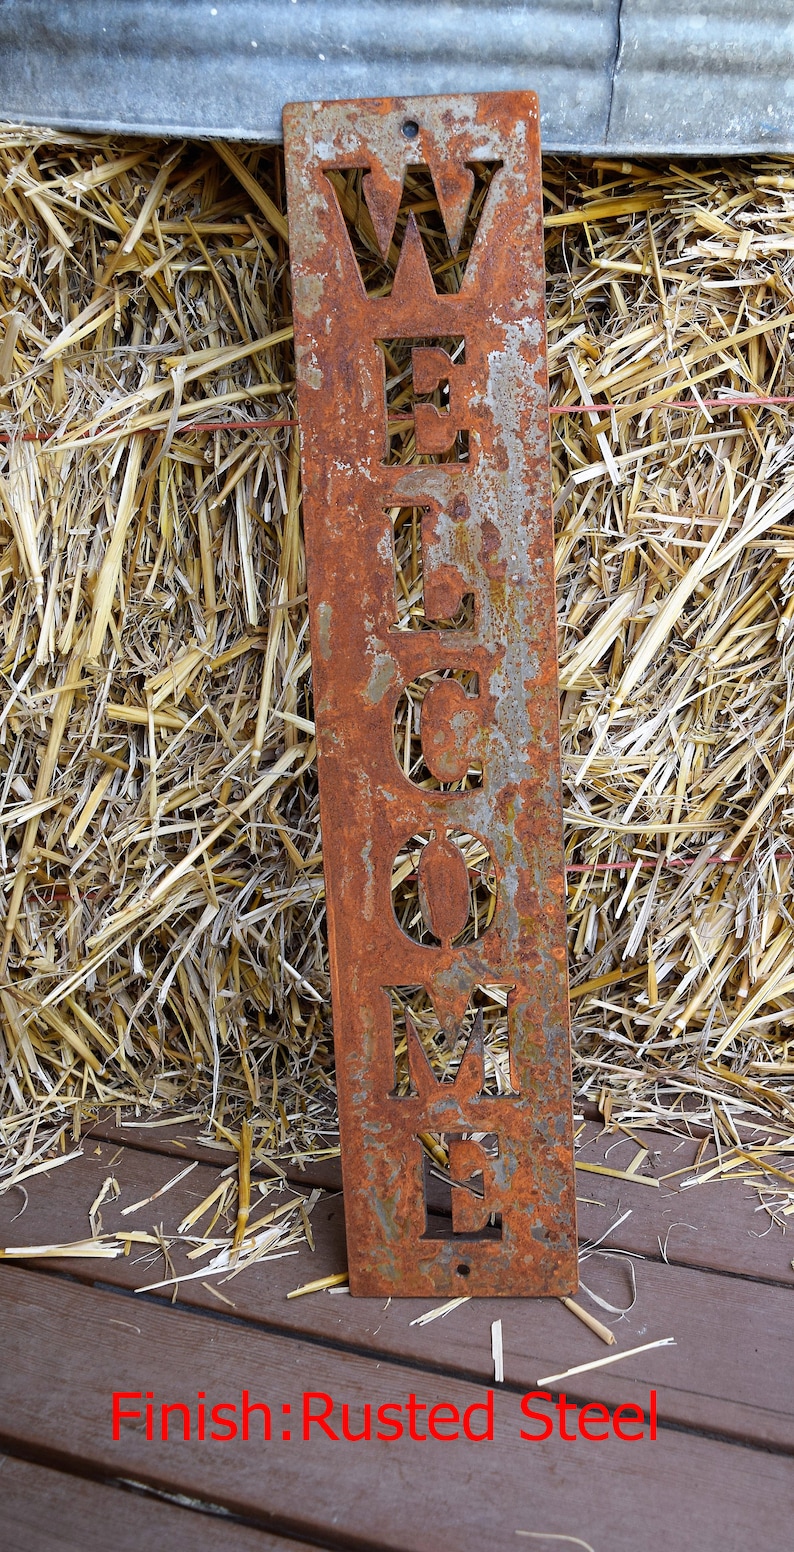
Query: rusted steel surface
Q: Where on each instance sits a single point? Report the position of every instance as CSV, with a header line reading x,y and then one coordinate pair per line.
x,y
465,810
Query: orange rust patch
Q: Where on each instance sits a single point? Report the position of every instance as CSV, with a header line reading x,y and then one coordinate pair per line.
x,y
469,465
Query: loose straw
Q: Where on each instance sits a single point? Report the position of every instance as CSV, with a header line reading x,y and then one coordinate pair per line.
x,y
497,1352
157,747
598,1363
589,1320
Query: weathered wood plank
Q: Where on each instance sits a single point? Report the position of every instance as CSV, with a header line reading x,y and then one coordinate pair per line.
x,y
713,1379
67,1349
182,1140
714,1225
51,1511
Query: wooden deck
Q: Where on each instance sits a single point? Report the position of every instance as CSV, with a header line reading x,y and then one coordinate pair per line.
x,y
718,1477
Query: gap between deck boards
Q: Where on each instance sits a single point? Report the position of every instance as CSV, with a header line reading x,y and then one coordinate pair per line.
x,y
611,1389
747,1397
36,1497
721,1490
721,1243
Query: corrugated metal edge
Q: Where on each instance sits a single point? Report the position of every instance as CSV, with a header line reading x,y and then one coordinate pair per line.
x,y
703,79
630,77
226,69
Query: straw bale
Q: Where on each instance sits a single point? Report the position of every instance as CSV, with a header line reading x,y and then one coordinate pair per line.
x,y
163,936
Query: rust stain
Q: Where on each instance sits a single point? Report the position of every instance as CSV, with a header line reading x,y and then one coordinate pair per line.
x,y
477,470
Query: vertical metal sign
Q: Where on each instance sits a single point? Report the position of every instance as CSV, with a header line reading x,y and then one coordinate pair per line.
x,y
423,413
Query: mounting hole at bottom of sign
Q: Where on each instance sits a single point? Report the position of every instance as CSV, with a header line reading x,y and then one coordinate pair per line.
x,y
410,129
463,1270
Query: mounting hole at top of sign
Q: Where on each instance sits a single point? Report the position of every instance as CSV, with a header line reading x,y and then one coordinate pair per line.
x,y
410,129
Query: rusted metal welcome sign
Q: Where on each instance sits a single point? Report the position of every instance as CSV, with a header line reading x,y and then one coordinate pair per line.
x,y
417,264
